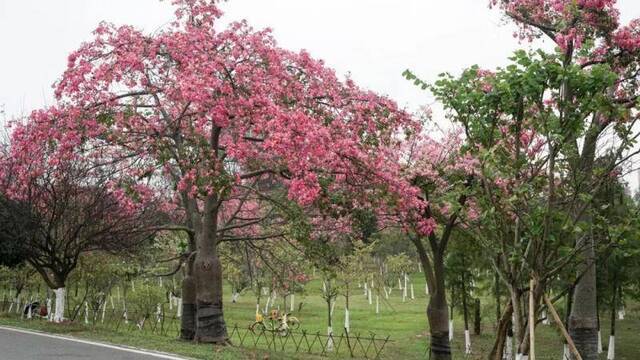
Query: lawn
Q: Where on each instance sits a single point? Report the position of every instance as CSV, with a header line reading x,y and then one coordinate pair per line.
x,y
403,322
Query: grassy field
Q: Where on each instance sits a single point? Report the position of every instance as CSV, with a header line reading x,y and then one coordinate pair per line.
x,y
405,324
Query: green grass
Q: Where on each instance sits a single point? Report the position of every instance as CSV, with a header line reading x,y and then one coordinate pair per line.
x,y
405,324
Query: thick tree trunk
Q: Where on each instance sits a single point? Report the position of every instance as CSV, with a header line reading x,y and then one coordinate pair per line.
x,y
211,327
207,271
188,312
438,314
583,323
583,320
61,294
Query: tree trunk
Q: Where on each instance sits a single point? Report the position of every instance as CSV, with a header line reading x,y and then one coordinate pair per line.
x,y
61,294
211,327
465,311
497,297
502,334
188,315
207,271
438,313
329,319
614,306
477,320
347,320
583,321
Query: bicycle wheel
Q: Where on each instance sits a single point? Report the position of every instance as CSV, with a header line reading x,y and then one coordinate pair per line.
x,y
293,322
258,325
283,330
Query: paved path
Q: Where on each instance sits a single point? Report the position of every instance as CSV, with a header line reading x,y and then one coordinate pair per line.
x,y
18,344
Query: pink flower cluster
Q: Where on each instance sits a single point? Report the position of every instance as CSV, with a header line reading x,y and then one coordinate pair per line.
x,y
566,21
628,37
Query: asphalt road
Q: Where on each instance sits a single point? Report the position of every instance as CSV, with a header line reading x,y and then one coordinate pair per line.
x,y
21,345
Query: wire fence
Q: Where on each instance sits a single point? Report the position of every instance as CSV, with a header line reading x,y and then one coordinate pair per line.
x,y
161,323
343,345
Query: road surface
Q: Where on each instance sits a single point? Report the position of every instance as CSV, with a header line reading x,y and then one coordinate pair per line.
x,y
18,344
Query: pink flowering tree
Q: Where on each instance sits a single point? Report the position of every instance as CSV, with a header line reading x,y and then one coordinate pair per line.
x,y
218,117
67,204
432,201
590,40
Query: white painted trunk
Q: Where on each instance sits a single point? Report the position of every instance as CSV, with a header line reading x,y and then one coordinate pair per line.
x,y
346,320
179,314
366,289
412,294
29,311
170,302
426,288
266,306
611,354
333,305
86,313
104,309
329,339
234,297
49,312
545,317
60,304
399,284
377,304
508,351
293,300
370,300
405,283
467,342
450,330
404,289
565,353
599,342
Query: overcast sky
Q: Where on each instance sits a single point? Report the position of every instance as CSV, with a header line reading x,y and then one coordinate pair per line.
x,y
374,40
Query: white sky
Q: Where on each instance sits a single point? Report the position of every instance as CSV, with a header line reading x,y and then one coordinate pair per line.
x,y
374,40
